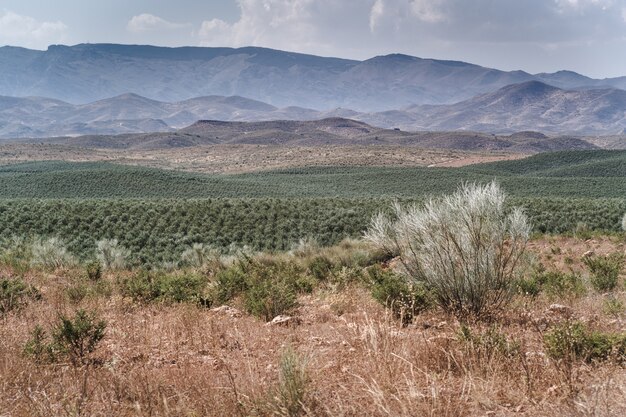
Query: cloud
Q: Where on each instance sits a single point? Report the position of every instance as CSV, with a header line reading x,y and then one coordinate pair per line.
x,y
28,32
318,26
330,25
147,22
528,34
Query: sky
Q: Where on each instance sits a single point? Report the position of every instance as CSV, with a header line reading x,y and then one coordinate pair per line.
x,y
586,36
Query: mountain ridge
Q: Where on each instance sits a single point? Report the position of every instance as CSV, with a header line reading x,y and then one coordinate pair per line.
x,y
85,73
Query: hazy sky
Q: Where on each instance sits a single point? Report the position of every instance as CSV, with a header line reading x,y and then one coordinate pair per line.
x,y
587,36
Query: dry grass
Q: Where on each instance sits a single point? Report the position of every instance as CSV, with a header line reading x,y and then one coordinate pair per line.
x,y
249,158
185,360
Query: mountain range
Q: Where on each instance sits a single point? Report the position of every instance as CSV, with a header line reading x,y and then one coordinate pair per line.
x,y
107,89
531,105
90,72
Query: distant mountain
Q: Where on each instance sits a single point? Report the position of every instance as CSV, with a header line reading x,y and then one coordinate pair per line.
x,y
91,72
528,106
38,117
531,105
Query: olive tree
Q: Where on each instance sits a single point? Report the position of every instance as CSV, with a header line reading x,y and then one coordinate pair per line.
x,y
465,247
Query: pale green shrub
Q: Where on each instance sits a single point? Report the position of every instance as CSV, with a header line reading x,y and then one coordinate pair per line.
x,y
464,247
111,254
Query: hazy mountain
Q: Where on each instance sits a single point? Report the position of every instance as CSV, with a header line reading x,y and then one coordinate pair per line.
x,y
528,106
519,107
90,72
129,113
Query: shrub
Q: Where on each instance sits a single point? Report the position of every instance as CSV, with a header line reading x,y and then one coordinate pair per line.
x,y
38,347
267,298
488,344
558,284
404,298
182,288
73,338
199,255
293,383
14,293
17,252
78,337
613,307
305,247
111,254
464,246
93,270
574,341
77,292
157,286
320,267
229,283
605,271
50,253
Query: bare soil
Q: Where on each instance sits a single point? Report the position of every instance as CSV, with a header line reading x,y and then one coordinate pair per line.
x,y
249,158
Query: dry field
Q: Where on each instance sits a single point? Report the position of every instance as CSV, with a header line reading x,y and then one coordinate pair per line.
x,y
342,355
248,158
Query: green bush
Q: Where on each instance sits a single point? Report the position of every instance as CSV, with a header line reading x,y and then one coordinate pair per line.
x,y
320,267
405,299
559,284
77,292
229,283
574,341
72,338
158,286
93,270
272,287
14,293
605,271
267,298
39,348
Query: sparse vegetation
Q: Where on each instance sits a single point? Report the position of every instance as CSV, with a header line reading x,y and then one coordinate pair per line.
x,y
182,327
574,341
605,270
72,338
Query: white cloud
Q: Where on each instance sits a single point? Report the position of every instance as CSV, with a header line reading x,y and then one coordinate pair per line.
x,y
26,31
319,26
331,26
147,22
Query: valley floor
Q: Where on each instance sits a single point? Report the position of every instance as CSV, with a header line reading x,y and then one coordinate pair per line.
x,y
249,158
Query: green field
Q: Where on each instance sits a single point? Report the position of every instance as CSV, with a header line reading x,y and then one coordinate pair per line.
x,y
586,174
157,214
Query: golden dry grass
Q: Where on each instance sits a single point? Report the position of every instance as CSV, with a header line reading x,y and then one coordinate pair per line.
x,y
185,360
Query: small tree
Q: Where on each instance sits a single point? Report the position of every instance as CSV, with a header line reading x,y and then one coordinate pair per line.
x,y
111,254
624,222
464,247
